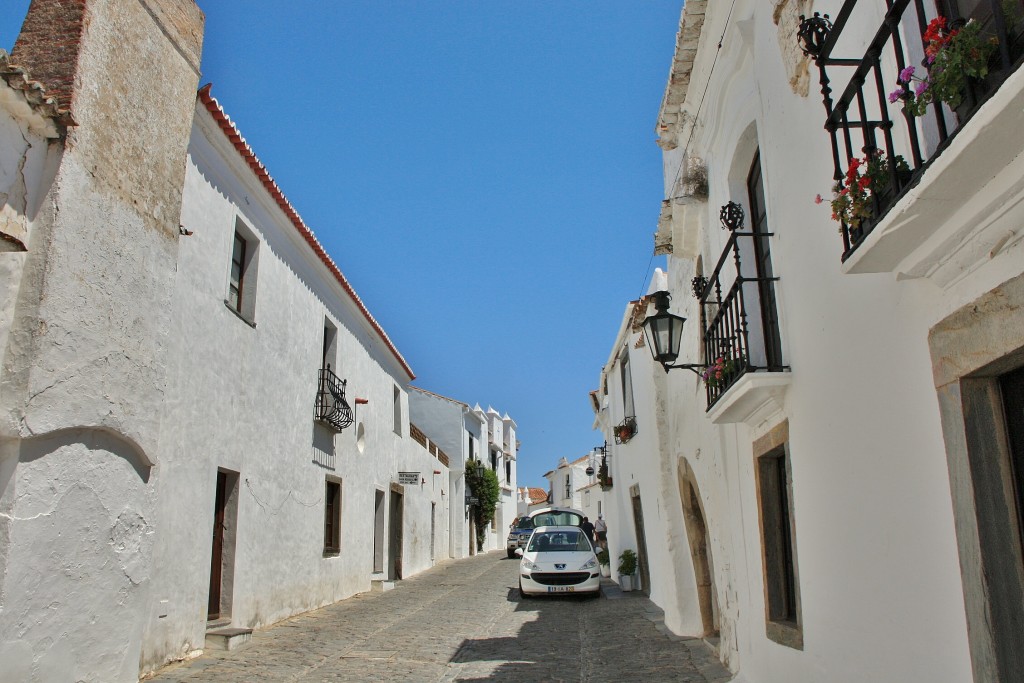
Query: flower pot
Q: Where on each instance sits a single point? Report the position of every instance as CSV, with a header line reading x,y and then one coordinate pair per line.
x,y
626,583
606,570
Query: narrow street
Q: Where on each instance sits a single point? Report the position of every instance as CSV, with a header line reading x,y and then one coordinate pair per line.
x,y
463,621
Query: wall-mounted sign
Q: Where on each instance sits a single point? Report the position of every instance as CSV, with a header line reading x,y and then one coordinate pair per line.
x,y
590,471
408,478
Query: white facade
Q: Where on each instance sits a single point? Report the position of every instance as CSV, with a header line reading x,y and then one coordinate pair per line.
x,y
458,430
145,409
871,452
247,393
567,480
471,434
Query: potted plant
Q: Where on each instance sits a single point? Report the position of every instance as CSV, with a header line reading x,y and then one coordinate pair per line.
x,y
721,372
625,430
604,560
603,478
627,568
953,57
868,182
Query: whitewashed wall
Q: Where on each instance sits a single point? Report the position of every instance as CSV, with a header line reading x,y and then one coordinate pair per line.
x,y
881,596
241,398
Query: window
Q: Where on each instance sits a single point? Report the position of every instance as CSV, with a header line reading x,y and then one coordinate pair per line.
x,y
332,518
568,487
627,385
237,273
241,297
472,445
398,410
782,598
508,471
763,264
494,460
329,357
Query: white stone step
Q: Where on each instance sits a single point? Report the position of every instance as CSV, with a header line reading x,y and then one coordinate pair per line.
x,y
381,586
228,638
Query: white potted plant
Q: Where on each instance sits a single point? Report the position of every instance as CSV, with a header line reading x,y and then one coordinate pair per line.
x,y
604,561
627,567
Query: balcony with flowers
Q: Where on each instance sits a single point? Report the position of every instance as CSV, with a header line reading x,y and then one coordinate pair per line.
x,y
924,122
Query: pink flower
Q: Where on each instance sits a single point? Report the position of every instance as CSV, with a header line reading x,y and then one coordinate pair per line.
x,y
818,199
906,74
896,94
921,87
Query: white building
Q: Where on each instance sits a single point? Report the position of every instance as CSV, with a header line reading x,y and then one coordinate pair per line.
x,y
531,498
202,424
459,430
843,503
502,448
570,485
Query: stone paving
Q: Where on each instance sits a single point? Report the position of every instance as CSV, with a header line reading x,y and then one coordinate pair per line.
x,y
463,620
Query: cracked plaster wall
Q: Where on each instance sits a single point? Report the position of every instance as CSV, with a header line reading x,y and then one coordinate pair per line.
x,y
85,327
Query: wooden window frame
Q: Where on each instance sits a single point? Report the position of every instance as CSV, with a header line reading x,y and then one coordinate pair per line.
x,y
332,517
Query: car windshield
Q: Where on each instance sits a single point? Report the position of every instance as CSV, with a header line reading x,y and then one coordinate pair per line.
x,y
559,541
556,518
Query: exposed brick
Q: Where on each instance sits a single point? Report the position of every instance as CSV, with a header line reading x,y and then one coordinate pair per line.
x,y
49,45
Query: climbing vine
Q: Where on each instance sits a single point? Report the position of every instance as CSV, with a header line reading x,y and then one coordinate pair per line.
x,y
487,491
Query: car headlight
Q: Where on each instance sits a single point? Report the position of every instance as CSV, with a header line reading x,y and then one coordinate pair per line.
x,y
590,564
529,565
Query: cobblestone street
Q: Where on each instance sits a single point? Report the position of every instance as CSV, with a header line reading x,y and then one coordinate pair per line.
x,y
463,621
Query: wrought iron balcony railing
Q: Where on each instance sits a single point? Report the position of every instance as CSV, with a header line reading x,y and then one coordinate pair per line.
x,y
331,407
738,312
870,119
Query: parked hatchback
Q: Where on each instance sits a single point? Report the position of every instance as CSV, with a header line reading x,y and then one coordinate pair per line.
x,y
558,559
522,527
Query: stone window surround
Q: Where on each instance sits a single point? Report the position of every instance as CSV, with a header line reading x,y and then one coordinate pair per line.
x,y
970,349
785,633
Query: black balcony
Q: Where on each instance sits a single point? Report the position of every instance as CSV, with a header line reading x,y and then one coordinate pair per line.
x,y
868,119
738,312
332,409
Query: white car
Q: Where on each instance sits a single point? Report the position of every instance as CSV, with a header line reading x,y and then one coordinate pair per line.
x,y
558,559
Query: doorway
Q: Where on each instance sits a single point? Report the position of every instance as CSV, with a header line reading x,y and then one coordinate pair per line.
x,y
641,540
378,531
395,536
222,556
697,537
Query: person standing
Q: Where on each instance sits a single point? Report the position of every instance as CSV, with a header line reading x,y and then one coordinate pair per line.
x,y
587,528
601,530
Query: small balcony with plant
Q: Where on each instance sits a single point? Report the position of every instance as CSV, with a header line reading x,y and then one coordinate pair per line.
x,y
743,371
924,121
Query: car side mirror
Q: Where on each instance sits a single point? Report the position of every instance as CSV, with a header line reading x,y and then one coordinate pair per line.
x,y
519,552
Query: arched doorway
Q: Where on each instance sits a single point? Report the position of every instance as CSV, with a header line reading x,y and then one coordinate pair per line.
x,y
697,535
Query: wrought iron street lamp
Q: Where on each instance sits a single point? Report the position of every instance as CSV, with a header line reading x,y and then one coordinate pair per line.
x,y
664,333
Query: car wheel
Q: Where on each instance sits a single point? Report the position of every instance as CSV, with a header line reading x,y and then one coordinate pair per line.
x,y
522,594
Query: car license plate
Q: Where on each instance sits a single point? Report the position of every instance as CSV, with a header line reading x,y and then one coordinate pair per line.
x,y
561,589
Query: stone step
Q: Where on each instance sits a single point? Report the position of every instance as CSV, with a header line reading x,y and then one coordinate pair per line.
x,y
228,638
381,586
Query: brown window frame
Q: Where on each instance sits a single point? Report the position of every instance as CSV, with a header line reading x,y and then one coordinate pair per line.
x,y
332,517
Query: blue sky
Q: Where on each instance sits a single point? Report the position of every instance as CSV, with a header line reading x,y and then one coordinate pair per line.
x,y
484,173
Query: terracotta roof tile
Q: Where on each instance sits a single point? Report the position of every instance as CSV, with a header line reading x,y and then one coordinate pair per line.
x,y
35,93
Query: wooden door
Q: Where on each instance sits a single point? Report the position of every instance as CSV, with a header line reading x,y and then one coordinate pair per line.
x,y
396,535
217,556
